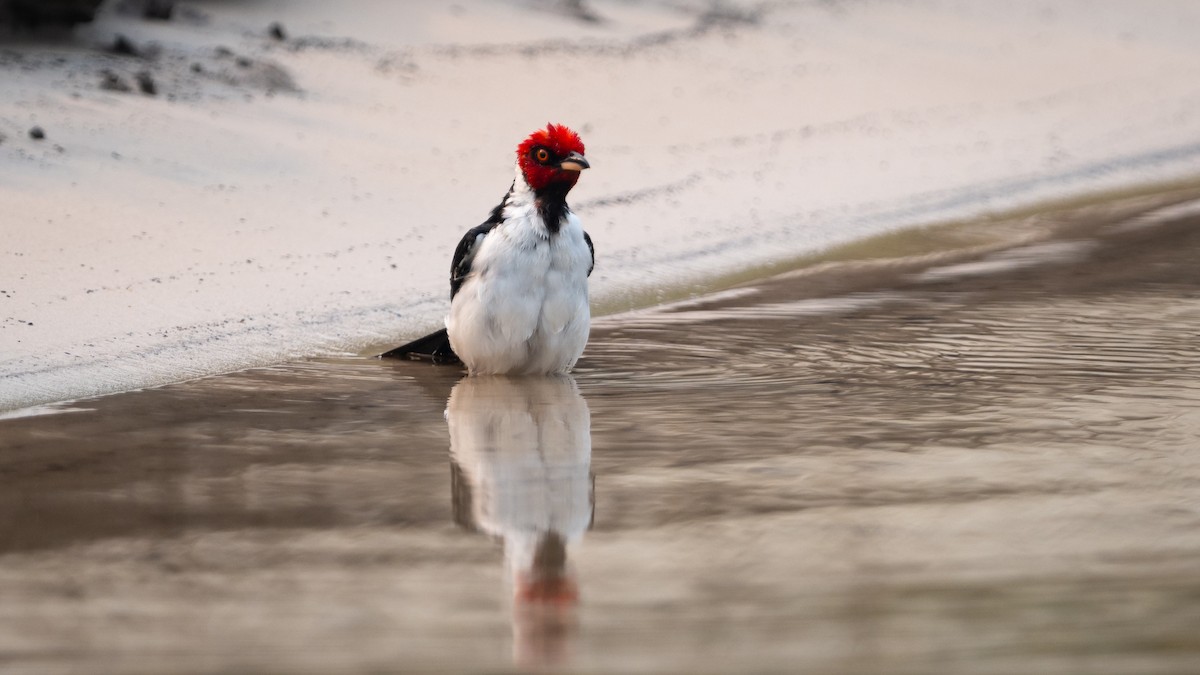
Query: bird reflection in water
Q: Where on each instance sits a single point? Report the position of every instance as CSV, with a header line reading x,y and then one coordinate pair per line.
x,y
520,452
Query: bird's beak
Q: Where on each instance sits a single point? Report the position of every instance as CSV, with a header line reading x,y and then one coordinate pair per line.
x,y
574,162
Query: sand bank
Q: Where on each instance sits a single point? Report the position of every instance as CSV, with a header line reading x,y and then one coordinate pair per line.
x,y
281,198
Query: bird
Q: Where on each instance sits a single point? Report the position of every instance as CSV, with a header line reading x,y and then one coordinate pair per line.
x,y
519,281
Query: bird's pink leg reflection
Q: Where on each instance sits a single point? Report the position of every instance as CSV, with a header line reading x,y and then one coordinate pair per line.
x,y
521,454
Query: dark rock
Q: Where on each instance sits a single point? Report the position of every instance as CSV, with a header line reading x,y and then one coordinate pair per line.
x,y
113,82
34,14
276,31
154,10
158,10
37,133
580,10
124,47
146,83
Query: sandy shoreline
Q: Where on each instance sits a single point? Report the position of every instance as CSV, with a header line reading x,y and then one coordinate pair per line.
x,y
285,198
973,463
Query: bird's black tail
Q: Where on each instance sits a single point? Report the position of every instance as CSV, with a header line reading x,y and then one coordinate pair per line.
x,y
434,348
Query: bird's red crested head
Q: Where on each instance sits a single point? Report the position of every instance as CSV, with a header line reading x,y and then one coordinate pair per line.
x,y
551,156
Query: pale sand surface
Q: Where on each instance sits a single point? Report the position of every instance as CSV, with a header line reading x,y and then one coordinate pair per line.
x,y
961,461
284,199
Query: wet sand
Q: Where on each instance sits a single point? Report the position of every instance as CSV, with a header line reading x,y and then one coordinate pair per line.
x,y
983,461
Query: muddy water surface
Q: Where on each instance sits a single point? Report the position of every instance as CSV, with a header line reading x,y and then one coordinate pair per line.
x,y
975,463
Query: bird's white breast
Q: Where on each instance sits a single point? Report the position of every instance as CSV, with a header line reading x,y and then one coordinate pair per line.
x,y
524,307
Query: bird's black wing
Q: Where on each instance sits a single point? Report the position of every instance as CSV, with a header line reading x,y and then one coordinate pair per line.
x,y
592,250
464,255
468,246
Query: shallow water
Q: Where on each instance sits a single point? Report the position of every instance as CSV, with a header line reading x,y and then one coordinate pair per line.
x,y
972,464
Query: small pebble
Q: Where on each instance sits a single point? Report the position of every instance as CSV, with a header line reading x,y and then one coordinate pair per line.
x,y
37,133
159,10
123,46
113,82
276,31
146,83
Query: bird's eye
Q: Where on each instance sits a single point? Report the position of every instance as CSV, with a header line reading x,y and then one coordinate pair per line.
x,y
542,155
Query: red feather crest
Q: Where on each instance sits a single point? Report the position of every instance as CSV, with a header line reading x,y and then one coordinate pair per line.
x,y
558,139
